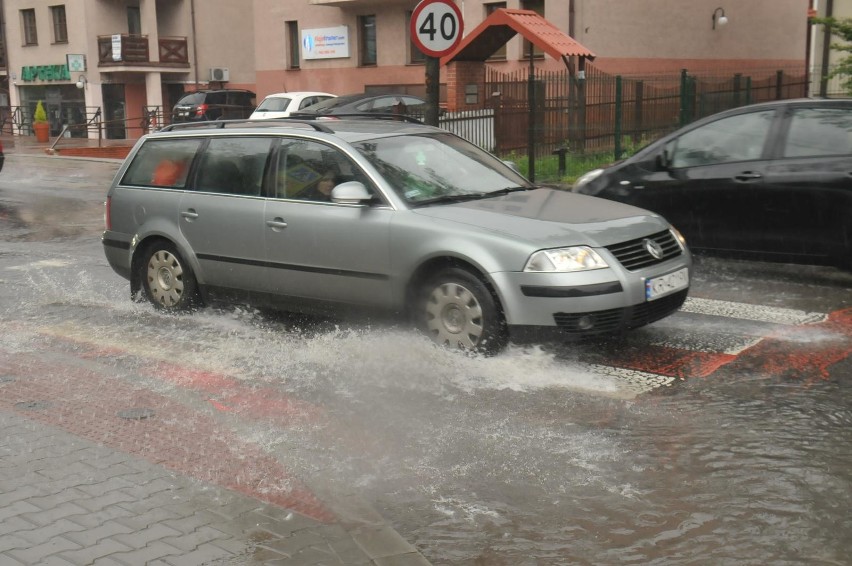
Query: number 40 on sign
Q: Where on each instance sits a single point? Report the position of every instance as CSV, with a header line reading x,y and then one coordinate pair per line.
x,y
436,27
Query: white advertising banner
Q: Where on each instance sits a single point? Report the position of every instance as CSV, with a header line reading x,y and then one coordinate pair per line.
x,y
116,47
325,43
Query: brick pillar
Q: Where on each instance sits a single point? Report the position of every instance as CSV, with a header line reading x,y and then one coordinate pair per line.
x,y
466,86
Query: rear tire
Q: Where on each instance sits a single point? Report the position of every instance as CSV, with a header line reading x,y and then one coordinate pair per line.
x,y
457,310
167,280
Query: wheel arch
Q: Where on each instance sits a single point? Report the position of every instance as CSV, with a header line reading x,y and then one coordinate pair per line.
x,y
138,253
428,268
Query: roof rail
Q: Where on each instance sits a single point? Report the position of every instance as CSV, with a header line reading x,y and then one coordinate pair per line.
x,y
374,115
220,124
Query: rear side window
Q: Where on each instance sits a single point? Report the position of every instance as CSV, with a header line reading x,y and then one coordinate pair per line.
x,y
233,166
277,104
819,131
162,163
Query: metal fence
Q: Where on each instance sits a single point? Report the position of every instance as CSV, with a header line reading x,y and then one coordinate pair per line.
x,y
606,113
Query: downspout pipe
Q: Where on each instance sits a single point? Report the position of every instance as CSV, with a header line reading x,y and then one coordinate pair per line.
x,y
826,51
194,43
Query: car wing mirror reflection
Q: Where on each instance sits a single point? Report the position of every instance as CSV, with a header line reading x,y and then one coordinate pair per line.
x,y
351,192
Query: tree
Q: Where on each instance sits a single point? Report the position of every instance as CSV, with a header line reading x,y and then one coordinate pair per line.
x,y
841,28
40,116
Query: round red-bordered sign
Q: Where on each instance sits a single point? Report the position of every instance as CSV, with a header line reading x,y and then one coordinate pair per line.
x,y
436,27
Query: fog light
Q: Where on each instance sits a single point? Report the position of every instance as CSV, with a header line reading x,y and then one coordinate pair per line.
x,y
585,322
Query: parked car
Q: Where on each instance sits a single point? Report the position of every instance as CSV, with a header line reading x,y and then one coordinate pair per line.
x,y
225,104
417,221
363,103
769,181
281,104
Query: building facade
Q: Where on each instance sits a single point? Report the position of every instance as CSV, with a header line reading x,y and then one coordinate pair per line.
x,y
128,58
629,37
122,58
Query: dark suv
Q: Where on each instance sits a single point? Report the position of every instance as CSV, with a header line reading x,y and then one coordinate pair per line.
x,y
226,104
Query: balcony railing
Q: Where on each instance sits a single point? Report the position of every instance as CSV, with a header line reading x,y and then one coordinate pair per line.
x,y
133,50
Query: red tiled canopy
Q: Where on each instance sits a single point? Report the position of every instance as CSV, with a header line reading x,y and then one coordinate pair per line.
x,y
503,24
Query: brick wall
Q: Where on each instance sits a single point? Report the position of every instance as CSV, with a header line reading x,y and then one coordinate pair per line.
x,y
111,152
463,79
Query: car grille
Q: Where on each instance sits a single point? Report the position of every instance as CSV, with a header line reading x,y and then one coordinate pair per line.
x,y
612,320
633,255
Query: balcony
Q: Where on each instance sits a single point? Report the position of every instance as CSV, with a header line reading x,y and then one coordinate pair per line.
x,y
173,51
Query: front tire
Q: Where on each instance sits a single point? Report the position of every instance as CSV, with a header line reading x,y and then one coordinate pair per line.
x,y
167,280
457,310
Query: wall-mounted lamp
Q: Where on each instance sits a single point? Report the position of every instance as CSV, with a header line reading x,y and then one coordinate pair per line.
x,y
82,81
719,17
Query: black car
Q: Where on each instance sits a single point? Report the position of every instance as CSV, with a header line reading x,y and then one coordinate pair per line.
x,y
405,104
224,104
769,181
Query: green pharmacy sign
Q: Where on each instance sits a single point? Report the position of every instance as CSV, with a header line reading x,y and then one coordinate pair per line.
x,y
45,73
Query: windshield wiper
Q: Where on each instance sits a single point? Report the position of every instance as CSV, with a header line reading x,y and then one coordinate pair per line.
x,y
449,198
506,191
470,196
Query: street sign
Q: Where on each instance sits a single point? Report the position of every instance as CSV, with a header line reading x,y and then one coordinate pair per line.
x,y
436,27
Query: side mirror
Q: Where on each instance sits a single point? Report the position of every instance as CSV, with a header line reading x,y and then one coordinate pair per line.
x,y
664,158
351,192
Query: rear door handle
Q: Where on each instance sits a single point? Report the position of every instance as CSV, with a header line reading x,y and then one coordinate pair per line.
x,y
748,176
189,214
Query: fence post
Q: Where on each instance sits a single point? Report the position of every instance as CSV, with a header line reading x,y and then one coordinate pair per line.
x,y
683,97
618,116
531,126
638,108
748,90
737,87
779,82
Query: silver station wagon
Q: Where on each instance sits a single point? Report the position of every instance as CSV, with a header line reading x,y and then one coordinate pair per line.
x,y
331,216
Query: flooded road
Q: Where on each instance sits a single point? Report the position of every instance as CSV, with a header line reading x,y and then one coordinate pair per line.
x,y
717,436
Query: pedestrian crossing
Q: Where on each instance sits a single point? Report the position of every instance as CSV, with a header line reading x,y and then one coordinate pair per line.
x,y
704,336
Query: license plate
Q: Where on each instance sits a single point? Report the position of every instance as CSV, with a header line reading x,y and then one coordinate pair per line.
x,y
182,113
663,285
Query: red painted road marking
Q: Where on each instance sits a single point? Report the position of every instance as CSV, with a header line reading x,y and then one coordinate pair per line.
x,y
802,352
87,404
672,362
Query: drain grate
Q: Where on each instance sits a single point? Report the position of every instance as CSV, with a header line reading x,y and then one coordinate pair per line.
x,y
32,405
136,413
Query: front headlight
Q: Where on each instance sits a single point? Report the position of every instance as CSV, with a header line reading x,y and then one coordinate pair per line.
x,y
586,179
561,260
678,236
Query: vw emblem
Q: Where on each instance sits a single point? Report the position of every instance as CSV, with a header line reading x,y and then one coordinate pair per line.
x,y
655,249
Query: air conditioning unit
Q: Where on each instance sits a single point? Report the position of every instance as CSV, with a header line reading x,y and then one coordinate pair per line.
x,y
220,74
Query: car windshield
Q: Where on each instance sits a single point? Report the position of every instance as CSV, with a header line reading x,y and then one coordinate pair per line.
x,y
275,104
438,167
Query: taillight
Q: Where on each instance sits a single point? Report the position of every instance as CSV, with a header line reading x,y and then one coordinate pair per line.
x,y
202,108
107,214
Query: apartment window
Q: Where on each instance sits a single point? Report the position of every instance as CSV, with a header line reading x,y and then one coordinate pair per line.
x,y
536,6
490,9
367,35
293,45
414,54
28,23
134,20
60,25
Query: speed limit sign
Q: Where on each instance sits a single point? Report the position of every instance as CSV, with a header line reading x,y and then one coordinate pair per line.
x,y
436,27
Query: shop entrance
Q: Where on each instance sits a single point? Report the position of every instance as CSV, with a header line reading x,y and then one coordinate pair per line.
x,y
115,111
65,106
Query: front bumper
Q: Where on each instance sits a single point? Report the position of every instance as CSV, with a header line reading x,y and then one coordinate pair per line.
x,y
587,303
